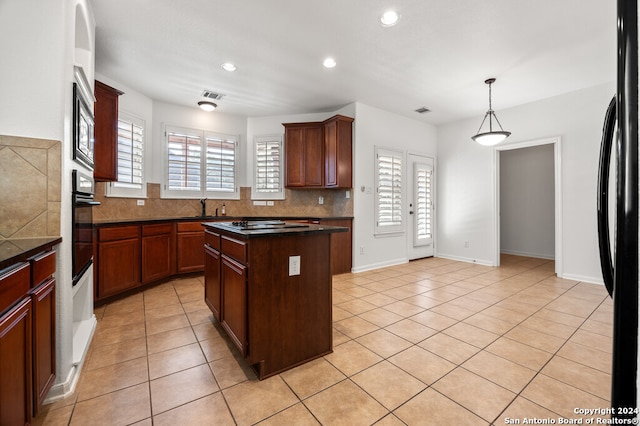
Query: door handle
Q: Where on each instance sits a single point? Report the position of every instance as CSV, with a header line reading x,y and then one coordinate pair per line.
x,y
604,244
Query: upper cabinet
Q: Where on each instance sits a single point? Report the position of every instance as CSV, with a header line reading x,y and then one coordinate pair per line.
x,y
304,163
337,152
106,133
319,154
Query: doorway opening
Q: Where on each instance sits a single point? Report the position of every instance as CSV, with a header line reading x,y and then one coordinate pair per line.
x,y
524,222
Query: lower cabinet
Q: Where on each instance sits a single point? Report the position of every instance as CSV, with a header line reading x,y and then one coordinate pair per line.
x,y
212,288
16,365
189,241
234,302
27,337
158,260
118,260
43,300
340,246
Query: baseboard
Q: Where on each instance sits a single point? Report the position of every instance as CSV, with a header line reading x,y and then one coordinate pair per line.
x,y
583,279
526,254
386,264
482,262
64,389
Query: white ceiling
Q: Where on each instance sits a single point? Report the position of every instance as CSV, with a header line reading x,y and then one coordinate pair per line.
x,y
437,56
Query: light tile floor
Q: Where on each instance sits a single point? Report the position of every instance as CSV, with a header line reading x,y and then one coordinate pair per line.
x,y
433,342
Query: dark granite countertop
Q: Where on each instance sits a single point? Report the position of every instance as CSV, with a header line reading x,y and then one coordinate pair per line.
x,y
107,222
19,250
290,228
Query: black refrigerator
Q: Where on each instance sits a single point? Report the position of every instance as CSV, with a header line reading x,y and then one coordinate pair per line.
x,y
619,244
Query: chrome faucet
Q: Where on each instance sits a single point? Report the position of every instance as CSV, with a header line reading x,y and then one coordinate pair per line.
x,y
203,203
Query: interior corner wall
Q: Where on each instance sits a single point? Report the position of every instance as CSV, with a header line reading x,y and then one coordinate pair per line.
x,y
466,173
375,127
527,201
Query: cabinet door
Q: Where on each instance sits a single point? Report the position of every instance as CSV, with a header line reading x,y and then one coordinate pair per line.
x,y
294,155
106,133
341,247
234,302
43,300
15,365
157,256
190,253
338,152
212,289
313,157
304,163
118,266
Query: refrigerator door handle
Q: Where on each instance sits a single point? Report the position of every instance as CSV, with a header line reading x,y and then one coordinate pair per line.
x,y
604,243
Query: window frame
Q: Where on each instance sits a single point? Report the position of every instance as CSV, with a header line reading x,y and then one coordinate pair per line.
x,y
256,194
124,190
395,227
202,192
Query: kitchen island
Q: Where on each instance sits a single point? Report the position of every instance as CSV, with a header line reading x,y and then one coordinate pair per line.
x,y
268,283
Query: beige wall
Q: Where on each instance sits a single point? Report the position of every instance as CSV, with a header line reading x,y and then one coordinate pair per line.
x,y
30,182
298,203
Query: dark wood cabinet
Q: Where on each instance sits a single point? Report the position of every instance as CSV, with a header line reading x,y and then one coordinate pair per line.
x,y
16,365
106,132
341,246
158,259
234,302
189,243
304,163
212,264
319,154
118,260
43,300
276,314
27,334
338,152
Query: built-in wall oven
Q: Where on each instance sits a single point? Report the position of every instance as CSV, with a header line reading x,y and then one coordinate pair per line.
x,y
83,202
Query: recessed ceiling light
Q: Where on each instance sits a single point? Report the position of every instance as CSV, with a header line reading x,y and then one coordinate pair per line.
x,y
207,106
228,66
389,18
329,63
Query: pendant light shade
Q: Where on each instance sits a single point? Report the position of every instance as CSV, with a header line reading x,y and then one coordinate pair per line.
x,y
492,137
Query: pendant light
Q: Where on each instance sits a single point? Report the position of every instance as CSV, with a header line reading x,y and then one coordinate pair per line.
x,y
492,137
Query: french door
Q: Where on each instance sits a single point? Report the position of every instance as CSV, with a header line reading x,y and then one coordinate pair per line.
x,y
421,221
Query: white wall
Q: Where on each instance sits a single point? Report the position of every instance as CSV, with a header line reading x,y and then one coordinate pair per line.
x,y
375,127
466,178
38,56
527,201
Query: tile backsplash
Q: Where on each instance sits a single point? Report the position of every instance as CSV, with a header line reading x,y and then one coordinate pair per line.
x,y
30,187
297,203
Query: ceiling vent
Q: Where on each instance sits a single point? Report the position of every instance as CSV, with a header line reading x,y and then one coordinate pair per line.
x,y
212,95
423,110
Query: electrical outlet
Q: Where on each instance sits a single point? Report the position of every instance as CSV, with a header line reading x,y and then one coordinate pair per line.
x,y
140,202
270,203
294,265
321,200
347,194
466,244
361,249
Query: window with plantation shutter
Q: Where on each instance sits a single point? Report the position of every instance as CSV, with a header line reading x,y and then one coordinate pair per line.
x,y
200,164
268,179
130,159
389,191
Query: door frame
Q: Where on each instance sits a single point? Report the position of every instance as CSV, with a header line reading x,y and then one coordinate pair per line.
x,y
557,160
409,199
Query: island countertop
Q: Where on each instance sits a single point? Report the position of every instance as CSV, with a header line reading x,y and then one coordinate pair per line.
x,y
270,228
